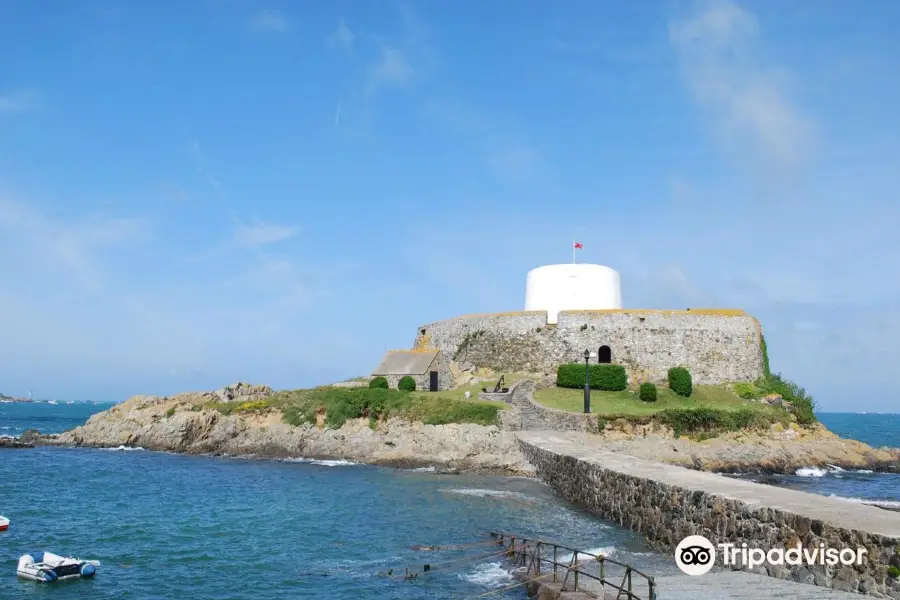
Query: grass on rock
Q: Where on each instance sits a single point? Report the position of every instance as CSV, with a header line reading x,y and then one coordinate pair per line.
x,y
340,404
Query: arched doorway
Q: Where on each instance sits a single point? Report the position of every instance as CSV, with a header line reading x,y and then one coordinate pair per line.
x,y
604,355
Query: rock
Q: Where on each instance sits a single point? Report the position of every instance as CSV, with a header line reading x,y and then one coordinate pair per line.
x,y
30,436
194,428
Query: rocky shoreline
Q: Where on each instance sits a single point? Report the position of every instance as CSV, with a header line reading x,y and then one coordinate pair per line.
x,y
185,423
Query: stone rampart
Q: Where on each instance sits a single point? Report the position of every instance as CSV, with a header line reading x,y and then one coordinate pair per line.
x,y
668,503
716,346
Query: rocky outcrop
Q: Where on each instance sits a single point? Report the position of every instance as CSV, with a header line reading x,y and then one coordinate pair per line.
x,y
185,423
779,450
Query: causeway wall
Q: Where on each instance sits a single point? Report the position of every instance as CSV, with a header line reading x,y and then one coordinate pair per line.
x,y
668,503
717,346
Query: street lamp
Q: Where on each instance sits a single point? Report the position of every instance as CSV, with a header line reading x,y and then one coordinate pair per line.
x,y
587,382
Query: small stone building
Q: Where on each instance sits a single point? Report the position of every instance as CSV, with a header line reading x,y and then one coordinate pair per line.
x,y
430,369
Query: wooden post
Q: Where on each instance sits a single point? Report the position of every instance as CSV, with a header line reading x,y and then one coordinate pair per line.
x,y
554,563
575,562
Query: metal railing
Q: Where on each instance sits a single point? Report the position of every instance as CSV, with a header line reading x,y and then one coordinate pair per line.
x,y
533,554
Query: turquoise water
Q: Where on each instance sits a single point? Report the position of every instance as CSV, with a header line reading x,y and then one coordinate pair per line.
x,y
167,526
872,428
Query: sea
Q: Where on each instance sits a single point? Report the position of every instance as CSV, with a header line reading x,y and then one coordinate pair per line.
x,y
168,526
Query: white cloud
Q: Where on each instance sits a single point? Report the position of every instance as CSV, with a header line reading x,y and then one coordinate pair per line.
x,y
391,68
271,21
342,37
249,236
76,245
17,100
750,103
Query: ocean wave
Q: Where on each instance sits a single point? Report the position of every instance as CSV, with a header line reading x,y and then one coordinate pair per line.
x,y
122,449
827,470
604,551
322,462
489,575
885,503
423,470
482,493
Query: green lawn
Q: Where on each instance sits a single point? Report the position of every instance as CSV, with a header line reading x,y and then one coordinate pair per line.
x,y
475,388
627,402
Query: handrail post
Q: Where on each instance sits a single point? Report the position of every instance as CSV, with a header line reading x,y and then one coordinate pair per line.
x,y
652,588
576,569
630,595
554,563
602,576
537,551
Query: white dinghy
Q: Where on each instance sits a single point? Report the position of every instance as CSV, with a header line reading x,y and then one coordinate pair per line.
x,y
47,567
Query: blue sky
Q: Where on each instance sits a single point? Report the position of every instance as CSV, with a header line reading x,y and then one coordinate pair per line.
x,y
276,192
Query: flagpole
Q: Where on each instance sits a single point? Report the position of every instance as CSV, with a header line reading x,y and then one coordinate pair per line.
x,y
573,252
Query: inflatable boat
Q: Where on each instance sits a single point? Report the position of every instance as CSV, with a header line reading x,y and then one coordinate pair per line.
x,y
46,567
4,523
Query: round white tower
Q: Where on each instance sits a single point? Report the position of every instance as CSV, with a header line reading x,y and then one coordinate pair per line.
x,y
556,288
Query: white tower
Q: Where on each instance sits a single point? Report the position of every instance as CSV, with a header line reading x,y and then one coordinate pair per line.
x,y
556,288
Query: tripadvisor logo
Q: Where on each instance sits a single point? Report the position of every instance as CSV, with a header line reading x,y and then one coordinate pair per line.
x,y
696,555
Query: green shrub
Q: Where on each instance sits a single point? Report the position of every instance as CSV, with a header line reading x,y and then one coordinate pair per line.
x,y
893,572
803,403
608,378
765,353
379,383
745,390
406,384
680,381
648,392
341,404
170,412
709,420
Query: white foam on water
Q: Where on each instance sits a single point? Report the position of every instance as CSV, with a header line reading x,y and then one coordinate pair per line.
x,y
887,503
489,575
866,471
811,472
122,449
604,551
424,470
481,493
322,462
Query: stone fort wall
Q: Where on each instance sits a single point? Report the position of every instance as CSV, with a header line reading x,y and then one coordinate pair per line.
x,y
717,346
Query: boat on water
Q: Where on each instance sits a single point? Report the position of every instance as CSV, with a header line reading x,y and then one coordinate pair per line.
x,y
47,567
4,523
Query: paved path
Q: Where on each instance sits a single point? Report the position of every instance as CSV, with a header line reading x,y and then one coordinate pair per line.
x,y
837,512
722,584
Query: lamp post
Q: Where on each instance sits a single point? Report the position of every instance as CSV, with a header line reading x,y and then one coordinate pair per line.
x,y
587,382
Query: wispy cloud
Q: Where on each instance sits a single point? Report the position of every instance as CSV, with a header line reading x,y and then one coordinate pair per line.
x,y
749,101
271,21
342,37
261,234
199,159
18,100
75,245
391,68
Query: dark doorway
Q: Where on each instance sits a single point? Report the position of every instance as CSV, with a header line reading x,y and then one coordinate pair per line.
x,y
433,382
604,355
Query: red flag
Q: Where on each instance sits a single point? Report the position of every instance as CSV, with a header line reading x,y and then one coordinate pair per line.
x,y
579,245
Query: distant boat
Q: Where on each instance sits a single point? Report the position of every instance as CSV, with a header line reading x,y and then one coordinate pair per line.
x,y
4,523
52,402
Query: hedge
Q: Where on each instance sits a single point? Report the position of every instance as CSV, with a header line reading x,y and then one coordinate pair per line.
x,y
648,392
680,381
406,384
608,378
379,383
709,420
